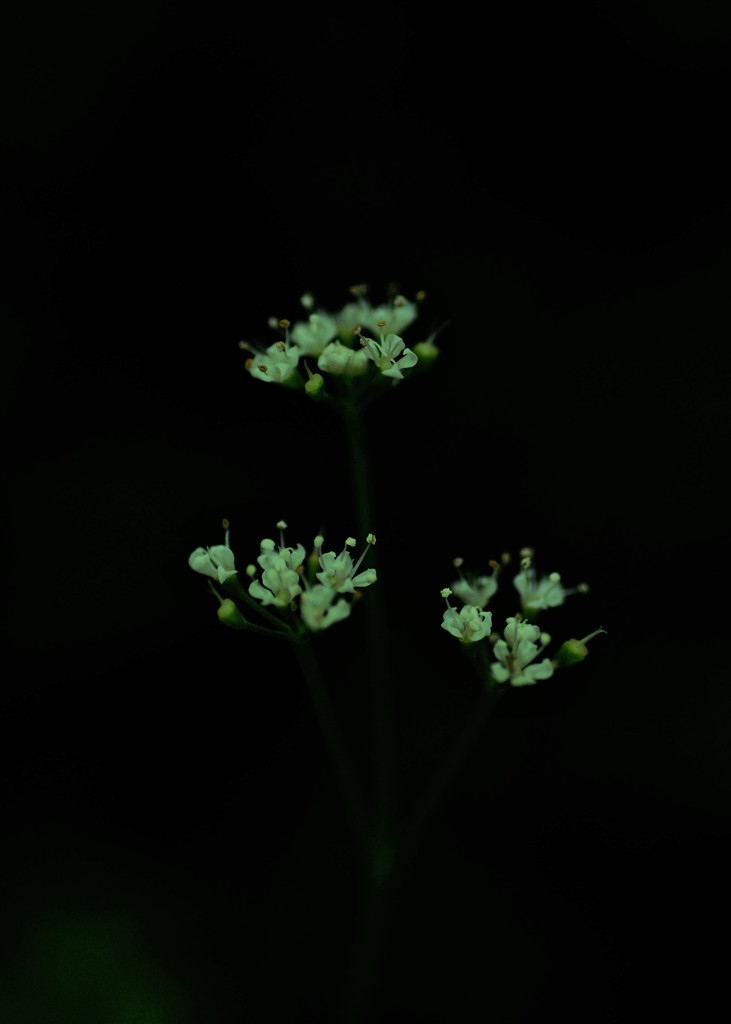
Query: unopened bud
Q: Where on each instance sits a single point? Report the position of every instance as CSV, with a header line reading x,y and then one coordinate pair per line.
x,y
427,352
573,651
315,385
230,616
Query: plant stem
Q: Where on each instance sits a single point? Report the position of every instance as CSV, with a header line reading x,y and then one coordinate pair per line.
x,y
381,705
334,743
428,804
372,926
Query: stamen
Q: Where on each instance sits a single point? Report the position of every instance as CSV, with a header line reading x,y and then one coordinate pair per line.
x,y
591,636
281,526
369,544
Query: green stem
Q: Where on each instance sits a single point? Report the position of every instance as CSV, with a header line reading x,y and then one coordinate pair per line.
x,y
428,804
340,761
368,955
242,595
381,705
275,634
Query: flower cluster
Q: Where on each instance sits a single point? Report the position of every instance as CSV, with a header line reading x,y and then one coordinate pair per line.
x,y
294,592
522,642
340,344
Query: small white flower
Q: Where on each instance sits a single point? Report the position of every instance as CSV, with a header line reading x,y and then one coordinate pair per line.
x,y
317,608
280,580
216,562
312,337
351,318
477,591
339,572
343,361
393,317
280,585
276,364
516,653
469,624
537,595
390,355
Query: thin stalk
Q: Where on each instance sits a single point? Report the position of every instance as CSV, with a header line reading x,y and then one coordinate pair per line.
x,y
340,760
428,804
381,705
369,949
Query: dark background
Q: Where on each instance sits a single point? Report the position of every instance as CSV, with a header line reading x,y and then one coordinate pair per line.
x,y
557,182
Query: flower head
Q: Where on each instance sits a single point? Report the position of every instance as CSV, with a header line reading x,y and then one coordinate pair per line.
x,y
517,652
469,624
280,579
339,572
286,580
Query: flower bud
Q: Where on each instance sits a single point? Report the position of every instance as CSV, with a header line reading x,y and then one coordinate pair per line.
x,y
427,352
229,615
573,651
315,385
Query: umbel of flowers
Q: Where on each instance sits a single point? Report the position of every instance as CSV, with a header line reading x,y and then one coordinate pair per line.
x,y
289,593
515,653
357,350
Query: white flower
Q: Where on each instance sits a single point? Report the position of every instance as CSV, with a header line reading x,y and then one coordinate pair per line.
x,y
275,365
340,359
216,562
475,591
516,653
351,318
469,624
339,572
388,357
536,595
312,337
281,585
393,317
280,580
317,609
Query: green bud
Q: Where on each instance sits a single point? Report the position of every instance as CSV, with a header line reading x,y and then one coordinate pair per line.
x,y
573,651
315,385
427,352
229,614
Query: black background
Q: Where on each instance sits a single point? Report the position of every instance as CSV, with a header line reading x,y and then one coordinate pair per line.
x,y
556,180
